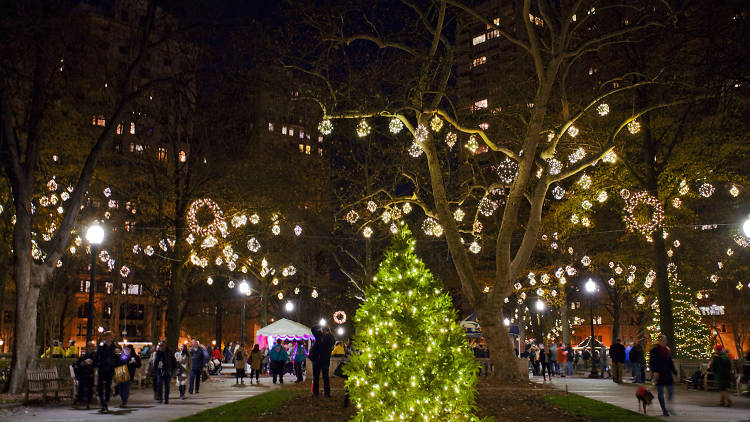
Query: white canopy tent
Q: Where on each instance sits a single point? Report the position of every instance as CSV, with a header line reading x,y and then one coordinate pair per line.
x,y
283,329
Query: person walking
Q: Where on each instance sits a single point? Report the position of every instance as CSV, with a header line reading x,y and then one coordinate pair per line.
x,y
228,352
636,358
543,362
240,362
660,360
300,355
256,358
554,369
166,366
198,361
133,362
278,358
562,359
721,367
617,354
105,362
84,370
182,359
320,355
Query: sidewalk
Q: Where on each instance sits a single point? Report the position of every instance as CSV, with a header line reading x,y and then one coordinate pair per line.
x,y
687,406
142,406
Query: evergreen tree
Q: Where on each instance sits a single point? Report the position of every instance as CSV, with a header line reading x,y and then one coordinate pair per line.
x,y
413,362
692,336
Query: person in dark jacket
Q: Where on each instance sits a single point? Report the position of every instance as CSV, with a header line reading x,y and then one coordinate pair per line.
x,y
84,370
198,356
165,366
278,356
133,361
721,367
662,366
617,354
543,359
636,359
320,355
105,362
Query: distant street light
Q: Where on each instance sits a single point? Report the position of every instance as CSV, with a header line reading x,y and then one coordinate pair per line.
x,y
244,288
540,305
340,331
289,306
95,236
746,227
506,322
322,322
590,287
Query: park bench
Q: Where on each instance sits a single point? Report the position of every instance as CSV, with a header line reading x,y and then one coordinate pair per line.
x,y
45,380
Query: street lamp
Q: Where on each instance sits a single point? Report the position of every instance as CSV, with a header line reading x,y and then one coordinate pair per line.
x,y
590,287
322,322
540,305
746,227
340,331
95,236
245,291
289,306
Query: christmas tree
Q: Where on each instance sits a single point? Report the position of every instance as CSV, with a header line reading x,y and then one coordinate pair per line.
x,y
692,335
413,362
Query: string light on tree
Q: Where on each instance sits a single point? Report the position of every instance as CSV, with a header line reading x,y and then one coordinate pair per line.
x,y
643,213
421,134
352,217
487,206
339,317
415,150
451,139
472,144
676,202
577,155
602,196
436,124
634,127
586,261
406,208
253,245
367,232
555,166
325,127
706,189
610,157
734,191
475,248
459,215
684,188
210,228
297,230
602,109
586,204
572,131
372,206
558,192
395,126
507,170
585,181
363,128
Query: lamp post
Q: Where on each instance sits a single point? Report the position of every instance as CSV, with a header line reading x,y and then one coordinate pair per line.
x,y
95,236
746,227
245,292
591,289
540,305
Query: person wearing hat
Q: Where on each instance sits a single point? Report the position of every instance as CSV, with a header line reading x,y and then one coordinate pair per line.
x,y
721,367
72,350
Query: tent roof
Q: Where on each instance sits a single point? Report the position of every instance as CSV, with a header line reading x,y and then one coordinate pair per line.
x,y
285,328
585,343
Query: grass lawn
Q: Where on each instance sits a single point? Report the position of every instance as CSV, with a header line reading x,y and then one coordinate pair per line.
x,y
245,409
595,410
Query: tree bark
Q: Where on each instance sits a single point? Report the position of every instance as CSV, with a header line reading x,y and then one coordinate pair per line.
x,y
564,321
502,357
219,321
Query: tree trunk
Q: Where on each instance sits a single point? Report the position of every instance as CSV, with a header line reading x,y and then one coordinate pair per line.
x,y
666,318
219,316
25,349
502,357
564,321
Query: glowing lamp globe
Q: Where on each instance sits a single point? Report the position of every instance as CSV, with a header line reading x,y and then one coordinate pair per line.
x,y
244,287
289,306
540,305
590,286
340,331
506,322
746,228
322,321
95,234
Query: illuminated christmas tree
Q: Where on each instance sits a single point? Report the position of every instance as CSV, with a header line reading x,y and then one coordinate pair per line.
x,y
692,335
413,361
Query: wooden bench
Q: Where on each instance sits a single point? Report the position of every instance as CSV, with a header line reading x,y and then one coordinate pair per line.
x,y
44,381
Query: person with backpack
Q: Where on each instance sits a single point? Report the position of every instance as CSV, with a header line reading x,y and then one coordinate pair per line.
x,y
240,361
256,359
300,356
278,358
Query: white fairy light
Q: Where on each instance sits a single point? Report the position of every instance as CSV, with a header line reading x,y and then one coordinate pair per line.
x,y
706,189
372,206
451,139
459,215
352,217
255,219
558,192
487,206
415,150
586,204
395,125
472,144
602,109
684,188
297,230
363,128
367,232
475,248
734,191
586,261
325,127
406,208
602,196
107,192
507,170
573,131
577,155
555,166
610,157
253,244
634,127
436,124
585,181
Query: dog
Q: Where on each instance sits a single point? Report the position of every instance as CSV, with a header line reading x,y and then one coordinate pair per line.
x,y
644,397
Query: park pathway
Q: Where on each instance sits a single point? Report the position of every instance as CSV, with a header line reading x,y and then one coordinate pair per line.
x,y
141,406
688,405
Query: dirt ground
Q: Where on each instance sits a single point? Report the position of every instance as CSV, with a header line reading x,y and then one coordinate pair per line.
x,y
504,402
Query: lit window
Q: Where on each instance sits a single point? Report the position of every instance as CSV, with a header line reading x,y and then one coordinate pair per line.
x,y
479,61
593,70
84,286
183,156
480,104
493,34
301,147
479,39
484,126
270,126
129,226
134,289
132,128
538,21
307,149
138,148
574,18
283,130
320,151
320,139
161,154
132,147
291,131
119,129
302,134
98,121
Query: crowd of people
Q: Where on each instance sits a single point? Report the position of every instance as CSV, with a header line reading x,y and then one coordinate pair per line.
x,y
115,366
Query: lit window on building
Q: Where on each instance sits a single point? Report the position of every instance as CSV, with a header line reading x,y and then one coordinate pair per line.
x,y
129,226
283,130
574,18
84,286
479,61
291,131
480,104
493,34
119,129
302,134
132,128
320,151
479,39
484,126
183,156
161,154
138,148
482,149
98,120
270,126
320,139
301,147
536,20
307,149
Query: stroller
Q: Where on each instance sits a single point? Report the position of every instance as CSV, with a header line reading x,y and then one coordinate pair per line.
x,y
214,367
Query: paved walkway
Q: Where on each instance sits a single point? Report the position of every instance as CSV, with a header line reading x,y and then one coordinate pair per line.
x,y
142,407
688,405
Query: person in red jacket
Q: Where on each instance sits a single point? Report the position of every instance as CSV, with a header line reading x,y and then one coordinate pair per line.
x,y
562,359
